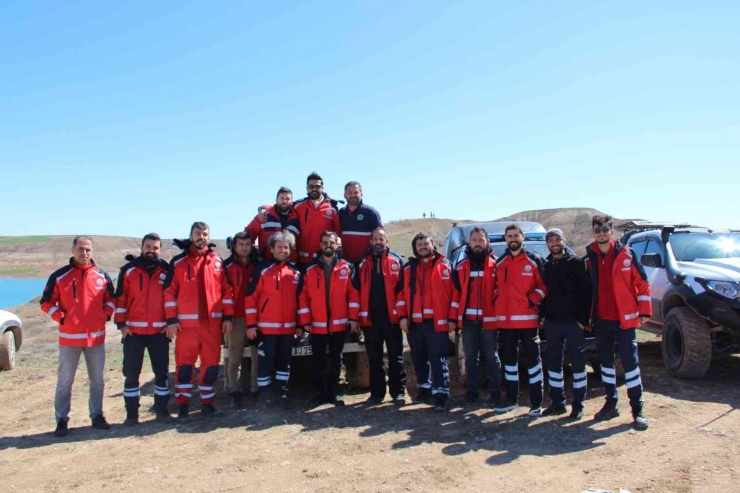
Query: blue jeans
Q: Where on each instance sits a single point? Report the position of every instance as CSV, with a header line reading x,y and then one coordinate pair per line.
x,y
477,341
429,351
607,332
571,336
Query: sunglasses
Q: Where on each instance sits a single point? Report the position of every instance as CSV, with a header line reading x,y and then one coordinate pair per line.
x,y
315,187
602,229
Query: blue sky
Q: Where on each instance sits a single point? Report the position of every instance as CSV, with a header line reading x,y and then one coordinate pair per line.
x,y
145,116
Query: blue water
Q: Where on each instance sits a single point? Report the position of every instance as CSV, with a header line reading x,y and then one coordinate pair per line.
x,y
18,291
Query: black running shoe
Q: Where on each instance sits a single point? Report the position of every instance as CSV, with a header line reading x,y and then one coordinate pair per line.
x,y
554,410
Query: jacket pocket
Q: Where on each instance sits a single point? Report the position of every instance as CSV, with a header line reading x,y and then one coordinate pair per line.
x,y
264,305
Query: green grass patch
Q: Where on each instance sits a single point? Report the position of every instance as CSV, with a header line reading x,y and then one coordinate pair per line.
x,y
20,271
21,240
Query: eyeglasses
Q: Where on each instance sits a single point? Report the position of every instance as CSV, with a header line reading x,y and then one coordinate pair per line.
x,y
603,229
315,187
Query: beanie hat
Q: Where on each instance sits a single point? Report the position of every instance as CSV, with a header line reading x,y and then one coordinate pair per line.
x,y
555,232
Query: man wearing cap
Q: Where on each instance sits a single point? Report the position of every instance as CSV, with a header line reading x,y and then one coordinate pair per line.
x,y
565,313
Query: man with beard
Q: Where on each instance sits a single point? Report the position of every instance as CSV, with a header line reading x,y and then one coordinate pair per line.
x,y
425,294
316,213
519,289
240,268
328,303
474,278
199,305
357,220
379,275
271,309
79,297
621,303
274,219
565,314
141,319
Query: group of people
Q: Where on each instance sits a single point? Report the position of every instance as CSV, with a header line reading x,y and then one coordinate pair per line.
x,y
287,276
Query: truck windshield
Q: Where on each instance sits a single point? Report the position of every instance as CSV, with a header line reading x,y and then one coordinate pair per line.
x,y
689,247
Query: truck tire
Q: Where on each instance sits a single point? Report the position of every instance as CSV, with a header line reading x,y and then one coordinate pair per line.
x,y
7,350
357,370
687,343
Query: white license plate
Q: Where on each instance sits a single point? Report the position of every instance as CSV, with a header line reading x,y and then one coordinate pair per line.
x,y
302,351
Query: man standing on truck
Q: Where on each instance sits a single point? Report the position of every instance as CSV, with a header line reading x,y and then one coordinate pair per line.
x,y
240,268
199,304
565,313
274,219
328,304
358,221
472,307
141,319
519,289
316,213
424,297
79,297
379,276
271,309
621,303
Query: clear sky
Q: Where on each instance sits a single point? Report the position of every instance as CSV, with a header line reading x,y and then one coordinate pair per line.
x,y
127,117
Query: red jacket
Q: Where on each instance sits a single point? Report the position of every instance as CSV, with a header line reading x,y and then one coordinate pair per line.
x,y
239,277
80,300
629,282
183,295
140,297
460,296
343,304
392,266
275,223
519,289
312,221
272,303
409,300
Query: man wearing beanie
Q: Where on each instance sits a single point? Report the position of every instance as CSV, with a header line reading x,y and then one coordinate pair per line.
x,y
565,313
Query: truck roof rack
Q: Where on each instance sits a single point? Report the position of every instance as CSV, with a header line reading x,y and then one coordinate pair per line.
x,y
637,226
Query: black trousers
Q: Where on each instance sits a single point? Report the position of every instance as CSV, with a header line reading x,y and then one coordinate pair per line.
x,y
607,333
530,340
274,352
391,335
568,336
158,346
327,384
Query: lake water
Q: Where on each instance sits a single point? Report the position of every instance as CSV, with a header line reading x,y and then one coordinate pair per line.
x,y
18,291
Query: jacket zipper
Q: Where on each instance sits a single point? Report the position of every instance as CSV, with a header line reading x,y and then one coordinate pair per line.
x,y
189,278
74,288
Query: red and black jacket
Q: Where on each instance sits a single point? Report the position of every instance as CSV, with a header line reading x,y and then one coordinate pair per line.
x,y
629,282
357,227
328,315
276,222
271,305
80,300
462,295
391,264
409,299
520,287
312,221
239,276
182,301
140,296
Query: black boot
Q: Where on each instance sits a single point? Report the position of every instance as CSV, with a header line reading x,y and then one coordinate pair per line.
x,y
609,411
236,400
183,411
440,403
62,429
132,418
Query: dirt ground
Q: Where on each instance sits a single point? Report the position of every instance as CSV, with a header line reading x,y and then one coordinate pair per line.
x,y
693,443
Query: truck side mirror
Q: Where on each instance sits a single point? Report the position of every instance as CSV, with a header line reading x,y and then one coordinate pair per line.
x,y
651,260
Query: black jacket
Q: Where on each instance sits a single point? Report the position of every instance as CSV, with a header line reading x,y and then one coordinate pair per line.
x,y
568,290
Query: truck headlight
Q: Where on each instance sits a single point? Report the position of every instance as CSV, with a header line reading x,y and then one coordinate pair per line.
x,y
724,288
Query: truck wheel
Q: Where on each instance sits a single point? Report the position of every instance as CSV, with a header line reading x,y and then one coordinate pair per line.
x,y
357,370
7,350
687,344
462,374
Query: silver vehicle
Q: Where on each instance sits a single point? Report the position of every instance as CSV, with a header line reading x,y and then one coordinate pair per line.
x,y
694,276
11,337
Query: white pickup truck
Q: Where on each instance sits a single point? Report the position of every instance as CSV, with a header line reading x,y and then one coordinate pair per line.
x,y
11,337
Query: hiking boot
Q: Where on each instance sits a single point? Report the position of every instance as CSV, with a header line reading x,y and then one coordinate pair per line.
x,y
506,406
100,422
471,397
236,400
399,400
609,411
132,419
317,400
62,429
164,417
440,403
554,409
641,421
576,413
208,411
182,411
423,396
494,400
374,400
